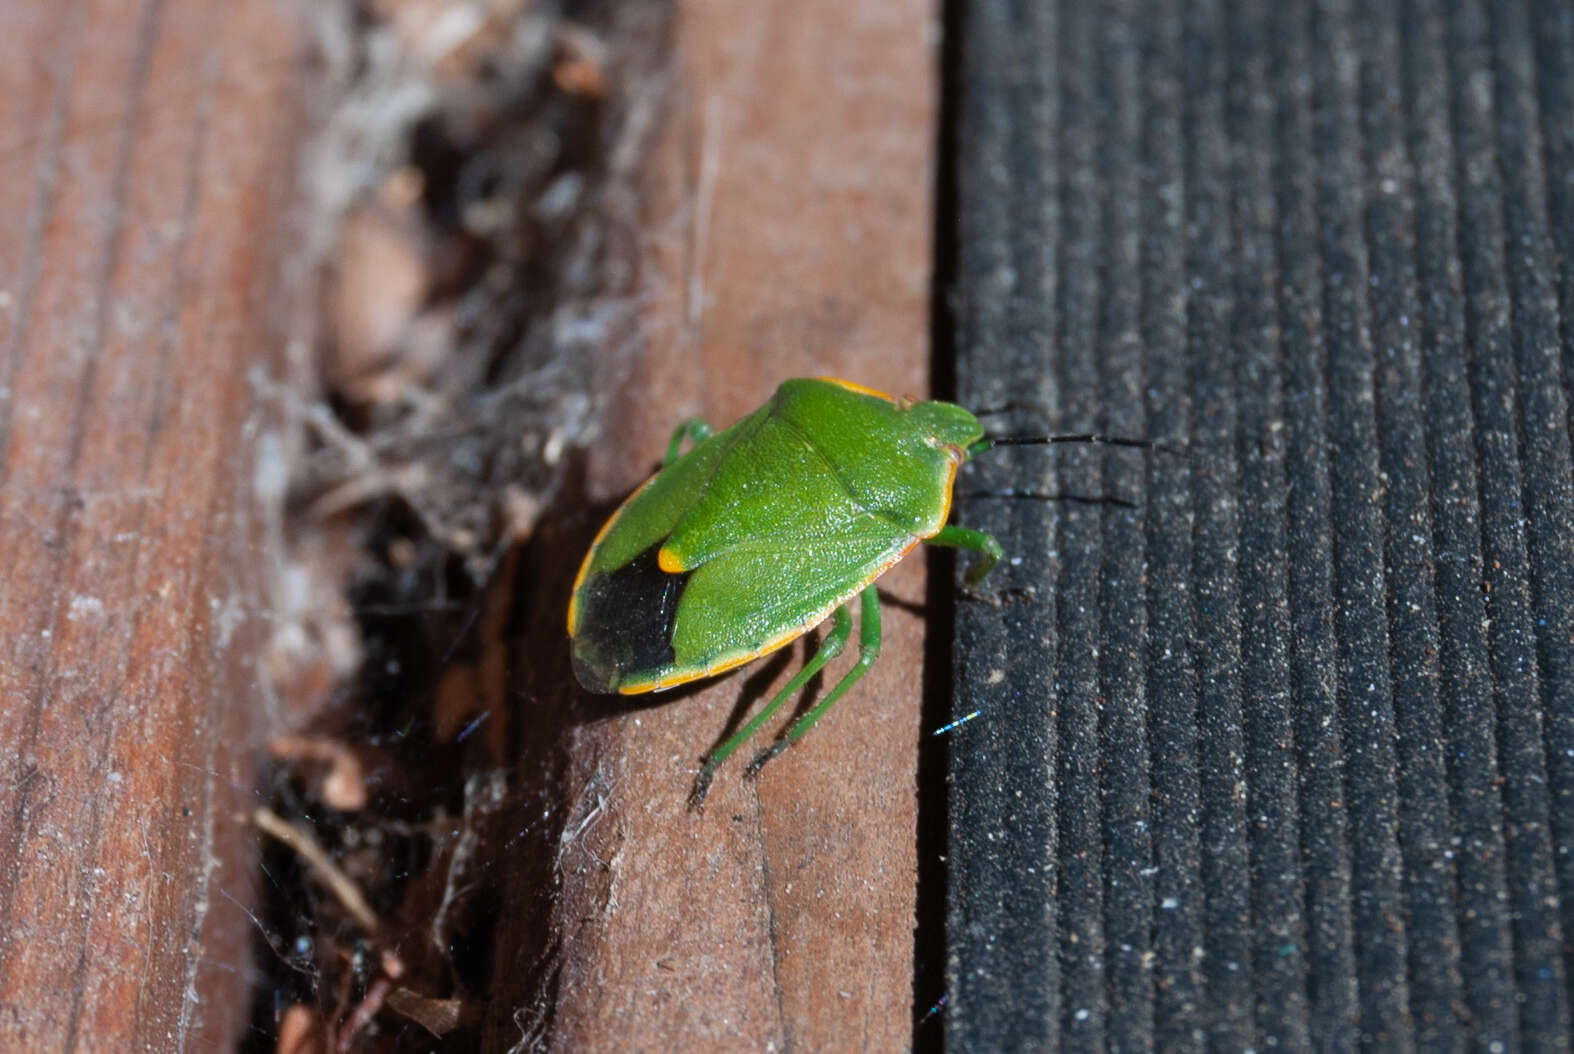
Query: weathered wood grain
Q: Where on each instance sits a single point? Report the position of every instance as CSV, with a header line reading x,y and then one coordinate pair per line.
x,y
145,157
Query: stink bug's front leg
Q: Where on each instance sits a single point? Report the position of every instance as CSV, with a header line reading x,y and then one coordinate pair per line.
x,y
695,430
952,537
841,628
868,651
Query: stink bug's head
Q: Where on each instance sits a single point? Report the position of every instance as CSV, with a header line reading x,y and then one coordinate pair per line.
x,y
947,425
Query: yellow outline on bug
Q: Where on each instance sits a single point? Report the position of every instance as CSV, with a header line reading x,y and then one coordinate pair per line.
x,y
854,386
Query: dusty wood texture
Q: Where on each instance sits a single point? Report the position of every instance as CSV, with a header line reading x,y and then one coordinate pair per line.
x,y
144,157
792,236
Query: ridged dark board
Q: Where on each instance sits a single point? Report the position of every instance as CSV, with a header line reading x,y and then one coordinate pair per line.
x,y
1280,753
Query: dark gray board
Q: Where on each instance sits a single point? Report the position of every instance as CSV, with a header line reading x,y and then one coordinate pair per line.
x,y
1282,756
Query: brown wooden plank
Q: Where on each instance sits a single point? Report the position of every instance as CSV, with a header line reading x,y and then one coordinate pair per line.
x,y
145,155
794,239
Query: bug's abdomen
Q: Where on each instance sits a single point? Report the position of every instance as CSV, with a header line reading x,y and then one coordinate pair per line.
x,y
626,622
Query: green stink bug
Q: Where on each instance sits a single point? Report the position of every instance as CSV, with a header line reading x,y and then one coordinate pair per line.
x,y
760,532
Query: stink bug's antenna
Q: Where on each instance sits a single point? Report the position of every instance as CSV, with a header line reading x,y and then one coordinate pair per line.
x,y
1012,407
1064,497
1085,438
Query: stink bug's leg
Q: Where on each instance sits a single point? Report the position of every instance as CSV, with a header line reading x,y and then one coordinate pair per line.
x,y
868,651
841,629
695,430
953,537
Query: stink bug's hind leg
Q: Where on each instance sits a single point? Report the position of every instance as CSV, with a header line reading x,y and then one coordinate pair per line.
x,y
695,430
953,537
868,651
841,629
